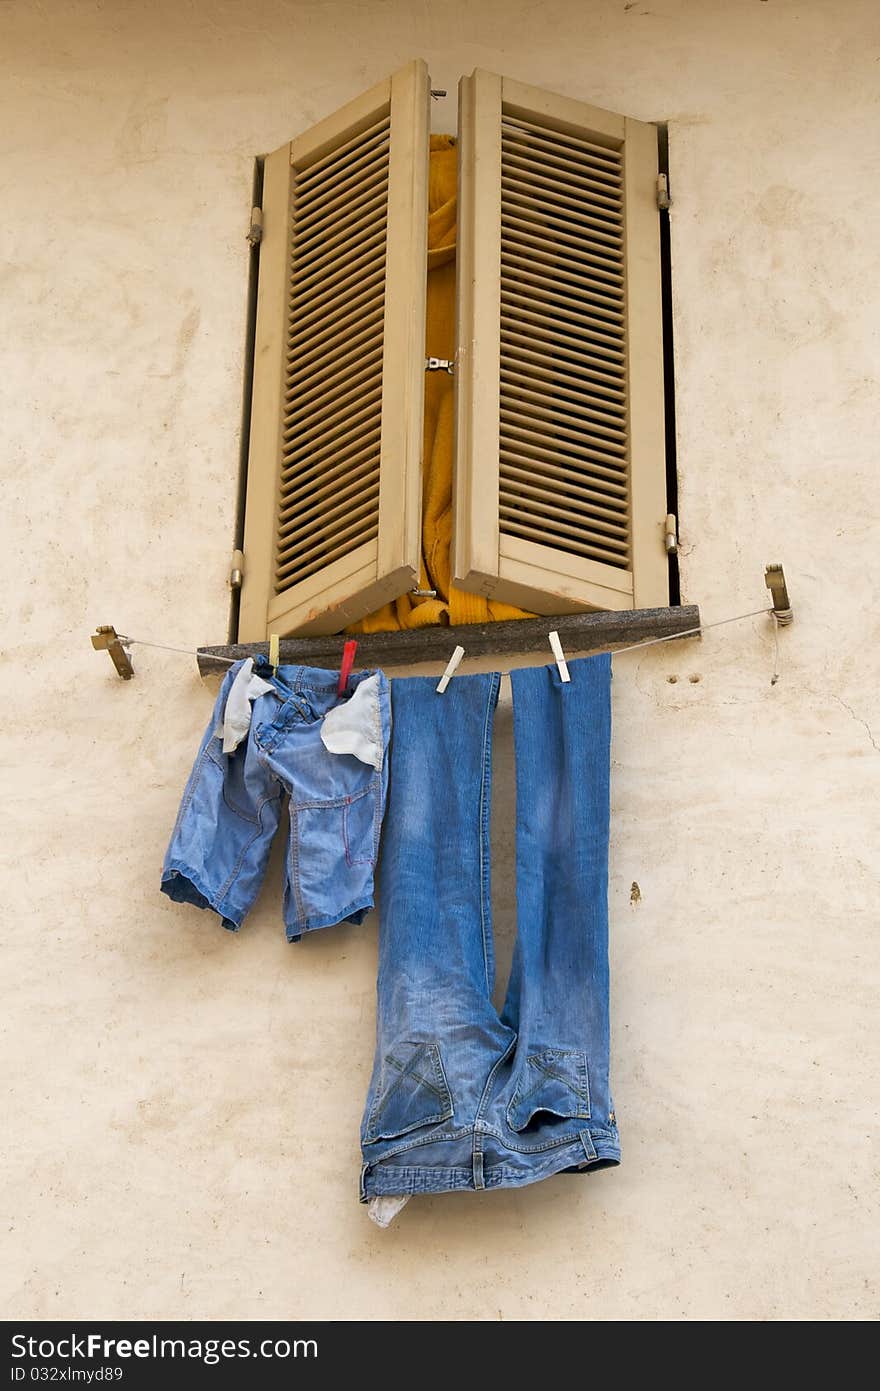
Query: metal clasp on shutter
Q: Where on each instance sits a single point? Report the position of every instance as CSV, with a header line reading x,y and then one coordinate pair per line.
x,y
439,364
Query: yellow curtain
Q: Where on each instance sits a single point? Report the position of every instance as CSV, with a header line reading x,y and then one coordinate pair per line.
x,y
452,605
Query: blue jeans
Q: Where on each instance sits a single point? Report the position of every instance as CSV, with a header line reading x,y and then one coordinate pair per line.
x,y
460,1097
231,806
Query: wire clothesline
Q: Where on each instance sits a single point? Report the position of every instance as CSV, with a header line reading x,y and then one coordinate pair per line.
x,y
616,651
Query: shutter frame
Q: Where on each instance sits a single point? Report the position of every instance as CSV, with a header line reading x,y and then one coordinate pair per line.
x,y
327,596
507,560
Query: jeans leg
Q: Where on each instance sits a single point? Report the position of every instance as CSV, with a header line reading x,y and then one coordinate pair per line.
x,y
557,999
438,1033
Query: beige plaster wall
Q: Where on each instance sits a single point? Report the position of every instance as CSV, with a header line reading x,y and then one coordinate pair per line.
x,y
183,1105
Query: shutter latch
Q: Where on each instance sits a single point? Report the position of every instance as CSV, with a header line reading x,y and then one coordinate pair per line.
x,y
236,570
663,198
255,230
670,534
439,364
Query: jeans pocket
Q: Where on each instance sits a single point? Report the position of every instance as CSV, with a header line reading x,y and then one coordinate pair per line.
x,y
554,1084
412,1092
361,824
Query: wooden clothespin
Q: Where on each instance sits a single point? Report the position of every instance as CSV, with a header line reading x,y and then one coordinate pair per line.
x,y
560,656
274,652
450,670
106,639
348,652
774,578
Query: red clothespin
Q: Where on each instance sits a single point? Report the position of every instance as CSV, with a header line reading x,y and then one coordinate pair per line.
x,y
348,652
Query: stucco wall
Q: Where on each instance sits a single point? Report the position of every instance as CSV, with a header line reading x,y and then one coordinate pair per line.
x,y
184,1104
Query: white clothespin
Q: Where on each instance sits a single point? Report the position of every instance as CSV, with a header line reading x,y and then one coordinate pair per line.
x,y
560,656
273,652
450,670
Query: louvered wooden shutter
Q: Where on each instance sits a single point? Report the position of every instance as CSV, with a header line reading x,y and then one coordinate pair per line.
x,y
332,520
560,493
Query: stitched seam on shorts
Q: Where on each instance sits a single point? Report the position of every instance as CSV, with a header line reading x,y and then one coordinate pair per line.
x,y
351,861
190,789
293,872
241,859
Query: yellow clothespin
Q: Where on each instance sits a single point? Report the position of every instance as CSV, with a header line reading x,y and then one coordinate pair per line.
x,y
274,653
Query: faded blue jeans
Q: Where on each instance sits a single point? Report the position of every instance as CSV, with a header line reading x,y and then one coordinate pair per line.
x,y
460,1097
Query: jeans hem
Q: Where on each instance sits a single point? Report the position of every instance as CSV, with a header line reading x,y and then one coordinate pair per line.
x,y
182,885
355,912
393,1179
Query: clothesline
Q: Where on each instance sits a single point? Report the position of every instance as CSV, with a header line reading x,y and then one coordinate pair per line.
x,y
616,651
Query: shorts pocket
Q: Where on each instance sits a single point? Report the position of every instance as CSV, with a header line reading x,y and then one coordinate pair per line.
x,y
555,1083
361,823
412,1092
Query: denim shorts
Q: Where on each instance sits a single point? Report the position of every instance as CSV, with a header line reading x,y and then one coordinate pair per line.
x,y
231,805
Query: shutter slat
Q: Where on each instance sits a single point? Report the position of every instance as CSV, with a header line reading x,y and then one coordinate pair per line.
x,y
353,464
357,481
554,328
360,213
333,386
323,344
574,305
337,241
572,362
313,170
561,140
322,305
305,567
514,526
553,381
337,421
530,192
359,310
329,213
324,517
560,522
351,431
354,174
584,459
327,542
372,253
577,180
533,233
523,213
601,522
329,470
585,437
545,483
549,408
606,301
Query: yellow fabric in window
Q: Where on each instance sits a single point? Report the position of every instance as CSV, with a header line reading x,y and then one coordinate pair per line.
x,y
452,605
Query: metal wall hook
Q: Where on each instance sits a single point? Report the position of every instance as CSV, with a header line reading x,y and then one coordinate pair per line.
x,y
106,639
774,578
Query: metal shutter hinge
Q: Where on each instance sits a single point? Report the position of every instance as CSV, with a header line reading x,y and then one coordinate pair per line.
x,y
255,231
439,364
236,572
670,534
663,198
